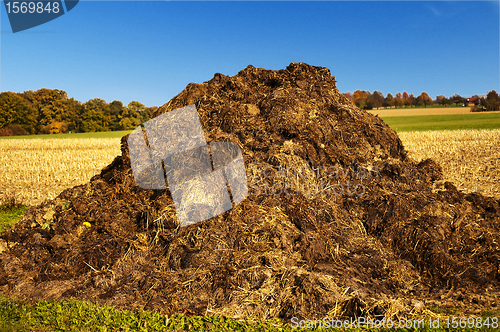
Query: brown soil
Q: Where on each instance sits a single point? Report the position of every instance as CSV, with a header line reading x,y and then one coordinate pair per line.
x,y
338,220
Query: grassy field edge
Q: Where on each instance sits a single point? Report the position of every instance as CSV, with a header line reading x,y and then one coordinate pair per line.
x,y
10,213
473,121
76,315
403,123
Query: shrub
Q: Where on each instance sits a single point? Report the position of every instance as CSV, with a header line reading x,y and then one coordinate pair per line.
x,y
477,109
58,127
6,132
55,127
16,129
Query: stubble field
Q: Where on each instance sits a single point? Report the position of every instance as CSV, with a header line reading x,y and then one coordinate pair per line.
x,y
38,169
470,159
32,170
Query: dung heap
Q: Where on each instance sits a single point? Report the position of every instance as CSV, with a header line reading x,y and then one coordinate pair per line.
x,y
338,220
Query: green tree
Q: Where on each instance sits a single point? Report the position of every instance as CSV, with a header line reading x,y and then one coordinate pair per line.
x,y
445,101
50,104
37,111
136,106
148,113
94,117
116,109
492,101
482,101
419,102
439,99
8,102
14,109
73,115
457,99
131,116
376,99
389,100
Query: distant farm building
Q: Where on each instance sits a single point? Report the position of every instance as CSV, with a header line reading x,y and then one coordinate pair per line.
x,y
474,100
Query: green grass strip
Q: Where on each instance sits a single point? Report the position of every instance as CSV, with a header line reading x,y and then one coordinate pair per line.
x,y
444,122
9,216
75,315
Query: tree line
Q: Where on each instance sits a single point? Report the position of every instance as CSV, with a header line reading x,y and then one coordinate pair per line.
x,y
367,100
50,111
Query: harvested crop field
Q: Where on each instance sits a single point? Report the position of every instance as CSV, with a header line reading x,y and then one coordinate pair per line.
x,y
39,169
339,220
469,159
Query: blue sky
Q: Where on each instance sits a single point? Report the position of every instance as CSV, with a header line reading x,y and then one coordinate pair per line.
x,y
149,51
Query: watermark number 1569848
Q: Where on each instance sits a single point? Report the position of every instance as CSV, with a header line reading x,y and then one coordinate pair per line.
x,y
28,14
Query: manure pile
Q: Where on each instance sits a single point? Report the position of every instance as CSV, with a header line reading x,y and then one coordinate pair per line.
x,y
338,220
